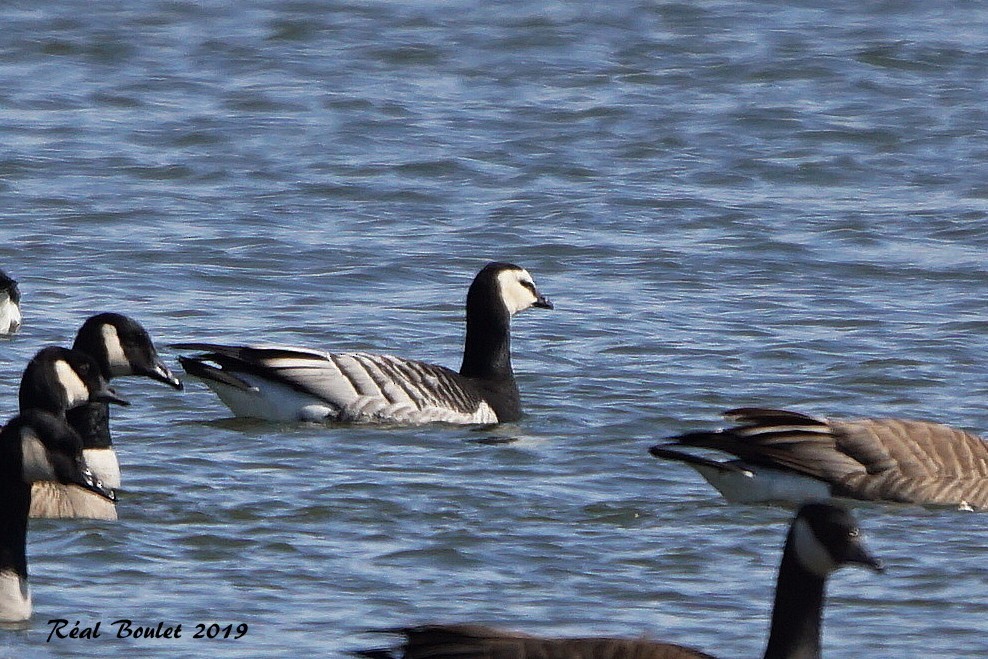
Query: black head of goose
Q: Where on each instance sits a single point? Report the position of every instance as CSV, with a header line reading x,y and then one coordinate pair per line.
x,y
121,347
58,379
822,538
296,384
34,446
10,305
785,456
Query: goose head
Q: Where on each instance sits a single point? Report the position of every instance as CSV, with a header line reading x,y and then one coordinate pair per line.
x,y
58,379
121,346
510,285
825,537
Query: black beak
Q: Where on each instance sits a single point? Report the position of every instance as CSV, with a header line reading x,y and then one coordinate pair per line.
x,y
108,395
87,480
542,302
162,373
857,553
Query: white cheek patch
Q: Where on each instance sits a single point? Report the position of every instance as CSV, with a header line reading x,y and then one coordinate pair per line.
x,y
515,296
810,552
119,364
76,391
37,466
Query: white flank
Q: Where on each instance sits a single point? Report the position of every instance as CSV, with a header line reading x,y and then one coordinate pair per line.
x,y
76,391
104,465
10,316
15,597
271,401
810,552
763,485
57,501
119,364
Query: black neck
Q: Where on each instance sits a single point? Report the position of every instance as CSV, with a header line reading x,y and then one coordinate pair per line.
x,y
92,422
797,613
16,503
487,350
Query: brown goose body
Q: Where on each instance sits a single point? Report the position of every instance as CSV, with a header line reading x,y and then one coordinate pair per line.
x,y
821,539
474,641
897,460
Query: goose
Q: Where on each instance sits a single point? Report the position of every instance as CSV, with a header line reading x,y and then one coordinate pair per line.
x,y
10,305
121,347
34,446
298,384
786,456
56,380
822,538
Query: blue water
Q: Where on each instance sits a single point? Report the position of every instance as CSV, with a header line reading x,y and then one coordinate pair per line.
x,y
730,203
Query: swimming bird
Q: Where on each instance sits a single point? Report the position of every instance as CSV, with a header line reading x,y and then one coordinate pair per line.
x,y
821,539
56,380
10,305
297,384
788,456
34,446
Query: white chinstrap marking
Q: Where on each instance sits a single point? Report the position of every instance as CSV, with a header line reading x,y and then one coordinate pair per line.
x,y
810,552
76,390
36,465
119,363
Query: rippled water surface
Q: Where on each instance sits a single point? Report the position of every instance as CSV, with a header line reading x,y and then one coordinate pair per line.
x,y
730,203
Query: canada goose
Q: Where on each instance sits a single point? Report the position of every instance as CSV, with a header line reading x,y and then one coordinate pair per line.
x,y
296,384
57,380
821,539
121,347
10,305
788,456
34,446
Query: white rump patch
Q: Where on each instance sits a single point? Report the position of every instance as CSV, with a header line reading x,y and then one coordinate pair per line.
x,y
75,389
57,501
763,484
104,465
810,552
15,597
516,297
119,364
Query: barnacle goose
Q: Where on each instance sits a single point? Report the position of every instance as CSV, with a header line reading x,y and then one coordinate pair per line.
x,y
34,446
297,384
10,305
821,539
57,380
786,456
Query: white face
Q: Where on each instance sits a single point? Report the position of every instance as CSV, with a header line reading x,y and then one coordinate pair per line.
x,y
119,364
517,290
76,391
810,552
